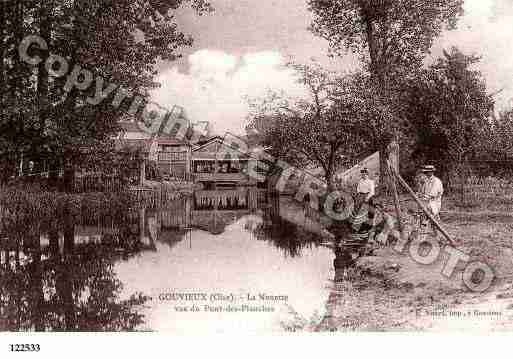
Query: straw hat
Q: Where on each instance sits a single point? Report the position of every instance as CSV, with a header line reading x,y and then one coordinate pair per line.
x,y
428,168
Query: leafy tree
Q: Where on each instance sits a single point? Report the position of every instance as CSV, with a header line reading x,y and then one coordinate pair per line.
x,y
496,138
121,41
450,110
391,36
338,120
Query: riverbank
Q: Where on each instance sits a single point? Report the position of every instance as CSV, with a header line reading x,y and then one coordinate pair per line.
x,y
27,209
391,292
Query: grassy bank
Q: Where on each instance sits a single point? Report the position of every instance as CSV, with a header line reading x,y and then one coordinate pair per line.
x,y
29,208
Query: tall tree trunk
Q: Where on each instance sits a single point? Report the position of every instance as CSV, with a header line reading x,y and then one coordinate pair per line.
x,y
69,233
378,75
19,65
69,176
17,73
330,168
45,12
329,181
3,89
375,64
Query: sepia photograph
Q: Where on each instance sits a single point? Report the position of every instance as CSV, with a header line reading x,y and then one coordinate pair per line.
x,y
291,167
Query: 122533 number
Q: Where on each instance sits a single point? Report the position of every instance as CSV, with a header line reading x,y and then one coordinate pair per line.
x,y
24,347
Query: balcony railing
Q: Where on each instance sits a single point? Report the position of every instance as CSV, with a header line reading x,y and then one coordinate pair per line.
x,y
229,177
172,156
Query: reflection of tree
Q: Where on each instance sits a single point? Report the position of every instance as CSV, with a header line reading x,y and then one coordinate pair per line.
x,y
171,237
72,289
285,235
86,294
14,292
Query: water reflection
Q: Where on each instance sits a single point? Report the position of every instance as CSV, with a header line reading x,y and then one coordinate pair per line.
x,y
66,284
105,272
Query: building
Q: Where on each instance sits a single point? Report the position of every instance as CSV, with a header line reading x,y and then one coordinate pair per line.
x,y
208,160
174,159
214,162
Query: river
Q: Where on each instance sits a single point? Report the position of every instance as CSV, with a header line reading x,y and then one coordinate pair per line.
x,y
213,262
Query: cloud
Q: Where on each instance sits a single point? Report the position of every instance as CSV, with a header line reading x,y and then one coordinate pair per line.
x,y
215,87
211,63
486,30
212,84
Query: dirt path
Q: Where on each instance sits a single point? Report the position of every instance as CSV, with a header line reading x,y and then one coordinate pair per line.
x,y
392,292
390,295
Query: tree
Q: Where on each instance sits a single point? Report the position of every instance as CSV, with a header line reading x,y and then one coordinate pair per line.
x,y
391,36
121,41
339,119
450,110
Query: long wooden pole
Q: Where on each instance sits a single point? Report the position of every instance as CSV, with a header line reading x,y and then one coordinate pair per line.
x,y
422,207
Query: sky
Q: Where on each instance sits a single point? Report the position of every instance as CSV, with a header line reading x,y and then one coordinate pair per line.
x,y
240,51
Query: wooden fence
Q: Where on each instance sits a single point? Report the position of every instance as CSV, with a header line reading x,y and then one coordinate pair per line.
x,y
99,183
155,197
487,193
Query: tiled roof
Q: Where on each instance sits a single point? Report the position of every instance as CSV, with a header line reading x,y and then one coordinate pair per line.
x,y
171,141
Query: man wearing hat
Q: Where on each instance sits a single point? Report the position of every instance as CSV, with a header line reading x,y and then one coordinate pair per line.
x,y
366,185
432,190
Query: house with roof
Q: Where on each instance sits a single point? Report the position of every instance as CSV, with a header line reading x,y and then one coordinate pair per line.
x,y
214,162
205,160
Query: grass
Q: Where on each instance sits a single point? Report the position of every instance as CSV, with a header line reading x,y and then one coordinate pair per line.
x,y
24,209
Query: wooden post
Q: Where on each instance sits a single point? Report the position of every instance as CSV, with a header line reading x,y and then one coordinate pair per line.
x,y
142,222
393,165
21,166
393,155
397,205
188,212
188,163
252,198
142,176
423,208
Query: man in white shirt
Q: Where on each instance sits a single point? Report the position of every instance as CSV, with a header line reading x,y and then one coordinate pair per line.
x,y
432,190
366,185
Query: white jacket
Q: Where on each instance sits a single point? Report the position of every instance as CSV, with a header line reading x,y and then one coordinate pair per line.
x,y
433,190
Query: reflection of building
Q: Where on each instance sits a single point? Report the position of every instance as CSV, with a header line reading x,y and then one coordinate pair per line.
x,y
211,210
